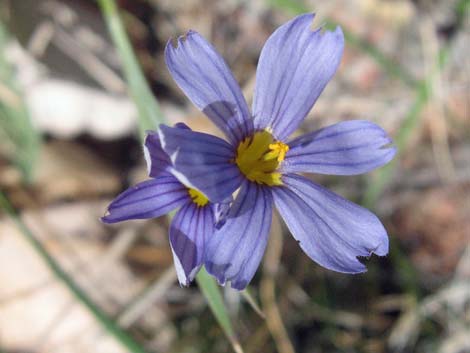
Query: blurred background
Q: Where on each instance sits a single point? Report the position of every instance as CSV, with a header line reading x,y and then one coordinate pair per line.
x,y
69,143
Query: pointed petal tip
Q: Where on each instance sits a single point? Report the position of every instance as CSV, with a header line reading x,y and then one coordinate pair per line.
x,y
173,44
361,268
202,74
339,32
191,32
105,219
108,218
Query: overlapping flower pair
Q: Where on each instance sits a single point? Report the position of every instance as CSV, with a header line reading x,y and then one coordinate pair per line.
x,y
200,173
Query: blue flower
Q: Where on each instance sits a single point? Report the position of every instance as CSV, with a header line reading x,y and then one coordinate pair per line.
x,y
193,223
295,65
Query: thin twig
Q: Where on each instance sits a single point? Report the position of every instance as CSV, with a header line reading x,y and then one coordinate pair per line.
x,y
147,298
109,325
268,289
423,94
254,305
438,126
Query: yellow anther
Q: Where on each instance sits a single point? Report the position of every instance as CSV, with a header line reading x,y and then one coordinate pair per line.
x,y
279,149
259,156
198,197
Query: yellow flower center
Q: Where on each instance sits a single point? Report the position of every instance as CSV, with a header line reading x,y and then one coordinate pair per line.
x,y
259,156
198,197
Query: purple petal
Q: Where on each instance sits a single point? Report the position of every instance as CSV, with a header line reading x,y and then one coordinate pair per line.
x,y
205,78
156,158
235,250
295,65
347,148
221,211
151,198
190,228
201,161
331,230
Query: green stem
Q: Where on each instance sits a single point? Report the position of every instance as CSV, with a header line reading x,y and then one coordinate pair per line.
x,y
423,94
211,291
149,111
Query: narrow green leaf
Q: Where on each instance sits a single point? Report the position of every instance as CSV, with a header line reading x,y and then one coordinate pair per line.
x,y
252,302
461,10
423,94
125,339
149,111
424,91
211,291
15,123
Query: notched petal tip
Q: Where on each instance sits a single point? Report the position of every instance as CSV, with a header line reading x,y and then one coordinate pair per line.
x,y
105,217
191,32
359,268
323,27
332,231
170,44
217,271
176,42
182,125
382,248
390,146
296,63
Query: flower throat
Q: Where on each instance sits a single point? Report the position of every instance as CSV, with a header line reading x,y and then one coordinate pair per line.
x,y
198,197
259,156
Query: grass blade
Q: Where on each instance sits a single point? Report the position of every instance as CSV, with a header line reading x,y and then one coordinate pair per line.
x,y
211,291
149,111
390,66
15,123
423,94
124,338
